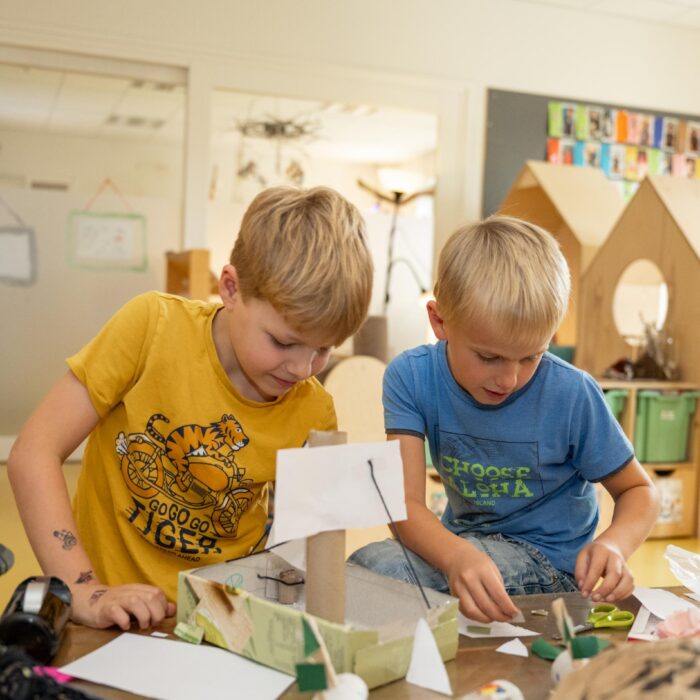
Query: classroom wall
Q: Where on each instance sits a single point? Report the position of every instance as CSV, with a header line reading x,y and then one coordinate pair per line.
x,y
54,317
416,54
404,52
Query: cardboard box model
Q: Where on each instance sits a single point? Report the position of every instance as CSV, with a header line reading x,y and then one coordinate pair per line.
x,y
238,610
367,621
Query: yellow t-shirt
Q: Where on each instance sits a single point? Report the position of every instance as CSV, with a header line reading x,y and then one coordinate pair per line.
x,y
176,473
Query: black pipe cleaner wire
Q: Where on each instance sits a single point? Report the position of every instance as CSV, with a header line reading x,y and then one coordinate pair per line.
x,y
403,548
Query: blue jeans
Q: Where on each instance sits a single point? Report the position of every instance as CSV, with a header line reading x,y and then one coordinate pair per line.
x,y
525,570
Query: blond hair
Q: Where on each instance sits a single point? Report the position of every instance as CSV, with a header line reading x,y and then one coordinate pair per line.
x,y
305,252
507,272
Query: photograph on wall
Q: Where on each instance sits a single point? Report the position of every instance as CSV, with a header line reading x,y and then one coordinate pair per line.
x,y
678,165
107,240
592,154
554,120
631,163
607,124
633,130
669,139
553,149
642,163
566,151
693,137
567,120
595,123
18,263
581,122
621,126
617,161
646,130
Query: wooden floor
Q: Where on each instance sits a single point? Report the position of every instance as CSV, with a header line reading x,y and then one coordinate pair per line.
x,y
647,563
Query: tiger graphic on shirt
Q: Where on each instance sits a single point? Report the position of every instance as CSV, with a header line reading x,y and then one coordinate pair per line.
x,y
193,465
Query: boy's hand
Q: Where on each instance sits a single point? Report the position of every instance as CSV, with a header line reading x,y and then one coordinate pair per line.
x,y
477,582
602,559
100,606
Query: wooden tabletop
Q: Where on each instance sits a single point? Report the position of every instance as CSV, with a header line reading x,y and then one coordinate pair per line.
x,y
476,662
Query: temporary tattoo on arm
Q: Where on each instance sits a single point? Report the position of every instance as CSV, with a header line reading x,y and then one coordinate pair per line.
x,y
85,576
67,537
96,596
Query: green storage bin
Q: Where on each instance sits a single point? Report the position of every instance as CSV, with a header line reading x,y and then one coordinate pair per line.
x,y
565,352
663,422
616,399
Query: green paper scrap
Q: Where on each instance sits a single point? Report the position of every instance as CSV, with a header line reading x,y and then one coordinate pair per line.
x,y
311,677
588,646
477,629
311,644
545,650
189,633
555,120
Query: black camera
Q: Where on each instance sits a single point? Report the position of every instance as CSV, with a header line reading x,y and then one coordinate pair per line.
x,y
36,616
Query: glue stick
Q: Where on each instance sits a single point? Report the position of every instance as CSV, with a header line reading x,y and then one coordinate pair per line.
x,y
495,690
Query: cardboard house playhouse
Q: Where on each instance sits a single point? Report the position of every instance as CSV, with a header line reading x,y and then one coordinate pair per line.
x,y
579,206
661,223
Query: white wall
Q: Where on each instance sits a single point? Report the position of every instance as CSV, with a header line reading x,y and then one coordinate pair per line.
x,y
435,56
44,323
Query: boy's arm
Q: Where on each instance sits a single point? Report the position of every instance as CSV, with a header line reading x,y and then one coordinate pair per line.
x,y
472,575
636,509
35,468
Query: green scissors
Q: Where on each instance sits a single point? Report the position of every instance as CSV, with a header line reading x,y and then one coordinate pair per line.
x,y
608,615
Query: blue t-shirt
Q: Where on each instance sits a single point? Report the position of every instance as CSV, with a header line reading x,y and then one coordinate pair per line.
x,y
522,468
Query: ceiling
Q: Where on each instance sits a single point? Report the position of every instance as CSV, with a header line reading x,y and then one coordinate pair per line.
x,y
62,102
681,13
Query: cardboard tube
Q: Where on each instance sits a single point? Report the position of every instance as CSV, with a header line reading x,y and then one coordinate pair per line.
x,y
325,556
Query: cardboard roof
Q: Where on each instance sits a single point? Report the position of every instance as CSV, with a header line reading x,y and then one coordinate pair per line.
x,y
681,197
587,201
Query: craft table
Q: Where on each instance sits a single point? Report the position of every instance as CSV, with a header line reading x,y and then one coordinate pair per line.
x,y
476,662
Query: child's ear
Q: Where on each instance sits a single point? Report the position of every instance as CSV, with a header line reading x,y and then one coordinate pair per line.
x,y
228,285
437,323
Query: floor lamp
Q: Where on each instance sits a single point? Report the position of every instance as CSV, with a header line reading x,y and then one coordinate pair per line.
x,y
372,339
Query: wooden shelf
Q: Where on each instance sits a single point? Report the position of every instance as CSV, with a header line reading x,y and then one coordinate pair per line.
x,y
677,481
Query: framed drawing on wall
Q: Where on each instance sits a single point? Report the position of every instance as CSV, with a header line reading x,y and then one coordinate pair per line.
x,y
17,255
106,240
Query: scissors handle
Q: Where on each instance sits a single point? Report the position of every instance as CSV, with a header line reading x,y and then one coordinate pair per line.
x,y
617,618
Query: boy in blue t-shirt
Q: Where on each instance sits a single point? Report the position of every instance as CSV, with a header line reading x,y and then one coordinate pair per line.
x,y
517,436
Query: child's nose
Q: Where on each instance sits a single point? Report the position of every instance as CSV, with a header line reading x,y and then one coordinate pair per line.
x,y
507,378
301,366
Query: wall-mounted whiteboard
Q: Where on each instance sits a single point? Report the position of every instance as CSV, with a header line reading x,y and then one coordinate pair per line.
x,y
17,255
107,240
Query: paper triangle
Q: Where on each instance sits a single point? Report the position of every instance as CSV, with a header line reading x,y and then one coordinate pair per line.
x,y
514,647
427,669
311,644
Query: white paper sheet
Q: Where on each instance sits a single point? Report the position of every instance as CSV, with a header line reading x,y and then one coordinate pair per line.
x,y
514,647
172,670
427,669
661,603
490,629
644,627
330,488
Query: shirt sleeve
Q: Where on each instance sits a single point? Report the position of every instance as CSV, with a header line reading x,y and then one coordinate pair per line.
x,y
401,411
110,364
600,446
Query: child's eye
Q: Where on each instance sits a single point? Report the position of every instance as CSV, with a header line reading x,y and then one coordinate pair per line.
x,y
487,358
279,343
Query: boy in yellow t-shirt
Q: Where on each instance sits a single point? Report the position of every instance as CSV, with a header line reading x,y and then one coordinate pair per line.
x,y
186,404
